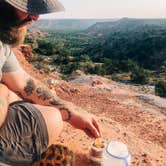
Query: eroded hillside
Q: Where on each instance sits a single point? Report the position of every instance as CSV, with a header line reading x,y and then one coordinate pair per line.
x,y
123,116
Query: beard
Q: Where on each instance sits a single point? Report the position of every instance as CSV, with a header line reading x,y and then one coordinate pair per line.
x,y
13,36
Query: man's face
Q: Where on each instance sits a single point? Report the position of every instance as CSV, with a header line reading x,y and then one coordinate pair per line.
x,y
13,24
24,19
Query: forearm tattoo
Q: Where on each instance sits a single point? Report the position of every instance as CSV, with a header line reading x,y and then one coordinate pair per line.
x,y
30,87
68,113
62,108
54,102
44,94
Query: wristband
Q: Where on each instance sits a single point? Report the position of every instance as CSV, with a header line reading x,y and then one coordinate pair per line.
x,y
68,113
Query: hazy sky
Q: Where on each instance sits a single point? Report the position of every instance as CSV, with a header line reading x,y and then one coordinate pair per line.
x,y
111,9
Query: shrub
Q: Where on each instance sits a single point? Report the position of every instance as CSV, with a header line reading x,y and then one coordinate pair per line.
x,y
139,75
110,66
69,68
45,48
160,88
83,58
125,65
96,69
163,69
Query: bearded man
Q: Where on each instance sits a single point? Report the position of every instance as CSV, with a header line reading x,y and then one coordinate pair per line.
x,y
28,125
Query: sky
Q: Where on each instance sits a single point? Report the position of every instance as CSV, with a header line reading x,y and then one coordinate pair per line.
x,y
111,9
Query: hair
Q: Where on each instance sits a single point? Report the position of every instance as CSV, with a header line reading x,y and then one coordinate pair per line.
x,y
9,31
8,16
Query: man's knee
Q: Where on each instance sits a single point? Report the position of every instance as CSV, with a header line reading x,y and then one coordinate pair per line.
x,y
54,124
55,121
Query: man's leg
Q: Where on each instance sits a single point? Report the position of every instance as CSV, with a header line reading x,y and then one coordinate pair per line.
x,y
13,97
51,116
53,121
28,130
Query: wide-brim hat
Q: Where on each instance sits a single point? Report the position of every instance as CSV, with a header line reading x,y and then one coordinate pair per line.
x,y
37,6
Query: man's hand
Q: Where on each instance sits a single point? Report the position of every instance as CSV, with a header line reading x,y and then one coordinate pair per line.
x,y
79,118
85,122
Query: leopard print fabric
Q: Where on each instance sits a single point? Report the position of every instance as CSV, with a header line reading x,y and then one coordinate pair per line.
x,y
55,155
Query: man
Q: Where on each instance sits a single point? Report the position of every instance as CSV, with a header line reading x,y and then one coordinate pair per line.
x,y
28,129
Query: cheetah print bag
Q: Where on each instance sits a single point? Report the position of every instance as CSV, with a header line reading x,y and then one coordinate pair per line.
x,y
56,155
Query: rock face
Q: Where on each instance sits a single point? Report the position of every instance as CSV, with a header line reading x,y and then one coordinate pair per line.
x,y
27,51
75,74
121,114
35,33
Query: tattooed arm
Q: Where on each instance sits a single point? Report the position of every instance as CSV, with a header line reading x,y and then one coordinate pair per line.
x,y
36,92
3,103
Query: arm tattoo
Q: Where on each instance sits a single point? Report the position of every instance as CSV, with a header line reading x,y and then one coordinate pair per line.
x,y
43,93
68,113
55,103
61,108
30,87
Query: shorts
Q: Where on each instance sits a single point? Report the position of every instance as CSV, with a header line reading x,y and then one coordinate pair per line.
x,y
23,136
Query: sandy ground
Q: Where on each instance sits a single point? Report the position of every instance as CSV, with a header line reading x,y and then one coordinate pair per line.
x,y
122,116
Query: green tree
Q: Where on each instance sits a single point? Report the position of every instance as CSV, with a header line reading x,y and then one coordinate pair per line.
x,y
46,48
97,69
69,68
83,58
160,88
139,75
163,69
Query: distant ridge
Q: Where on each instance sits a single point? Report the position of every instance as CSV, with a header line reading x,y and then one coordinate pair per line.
x,y
67,24
103,28
94,25
142,40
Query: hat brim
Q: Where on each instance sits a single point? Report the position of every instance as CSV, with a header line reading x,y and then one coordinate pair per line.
x,y
37,7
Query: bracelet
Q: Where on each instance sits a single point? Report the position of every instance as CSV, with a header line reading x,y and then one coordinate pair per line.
x,y
68,113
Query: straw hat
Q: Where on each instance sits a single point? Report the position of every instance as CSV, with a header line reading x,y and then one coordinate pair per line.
x,y
37,6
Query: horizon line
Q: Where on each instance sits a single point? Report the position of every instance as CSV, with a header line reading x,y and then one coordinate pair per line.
x,y
102,18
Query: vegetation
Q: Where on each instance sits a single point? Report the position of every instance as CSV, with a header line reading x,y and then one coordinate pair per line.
x,y
134,49
139,75
160,88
